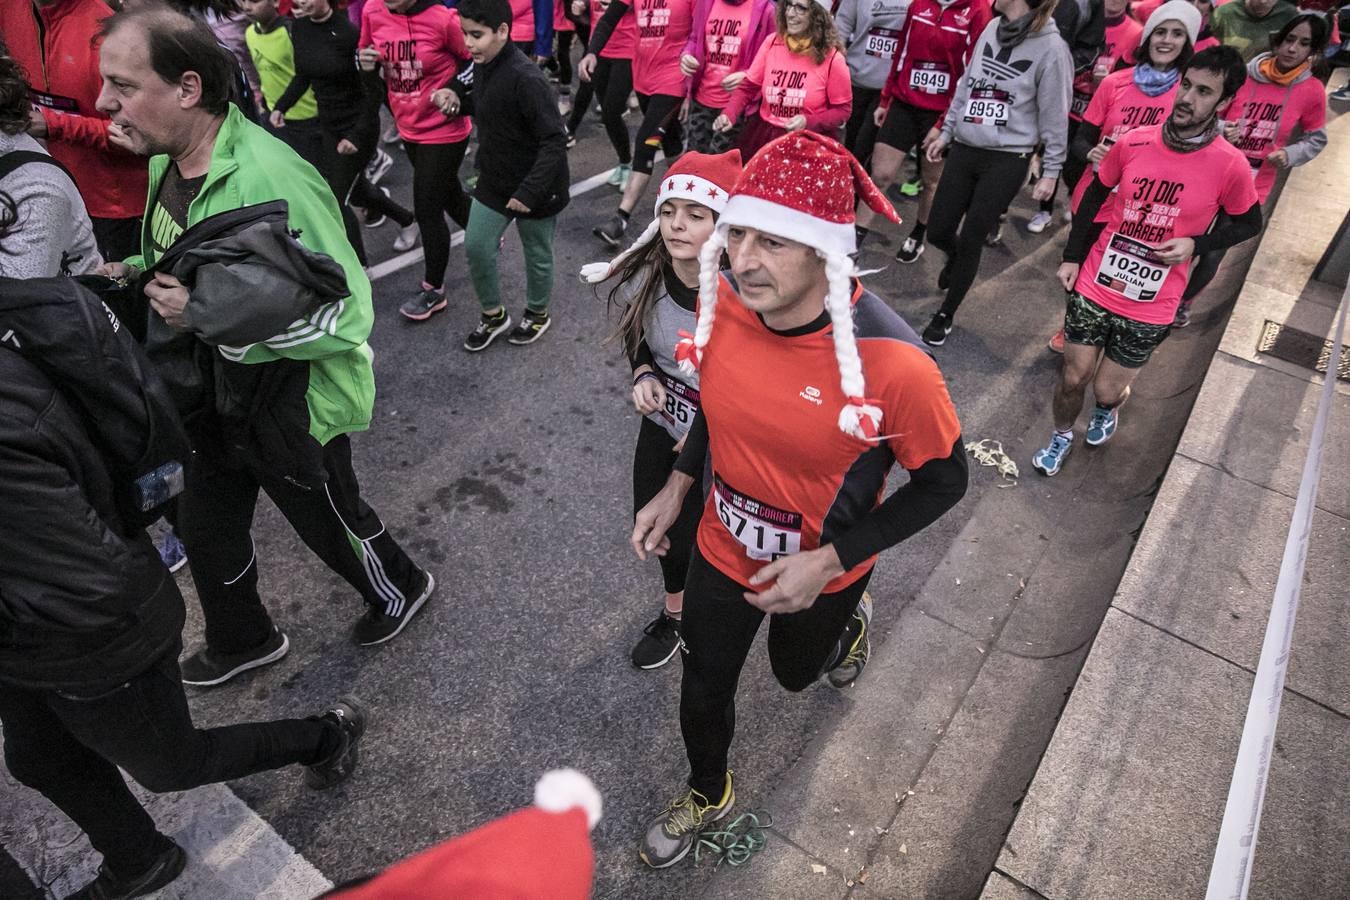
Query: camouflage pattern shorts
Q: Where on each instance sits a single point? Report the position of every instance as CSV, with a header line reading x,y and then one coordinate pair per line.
x,y
1127,342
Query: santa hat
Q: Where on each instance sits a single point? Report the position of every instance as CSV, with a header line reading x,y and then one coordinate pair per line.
x,y
540,853
803,187
1174,10
700,177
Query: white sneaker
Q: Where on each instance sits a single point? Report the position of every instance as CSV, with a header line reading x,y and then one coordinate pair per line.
x,y
1040,222
379,164
1068,217
407,238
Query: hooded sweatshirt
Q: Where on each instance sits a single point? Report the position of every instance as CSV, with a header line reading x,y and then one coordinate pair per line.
x,y
725,38
1235,27
870,30
1268,114
1015,98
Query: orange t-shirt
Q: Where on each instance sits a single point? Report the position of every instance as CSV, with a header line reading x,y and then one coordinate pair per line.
x,y
785,477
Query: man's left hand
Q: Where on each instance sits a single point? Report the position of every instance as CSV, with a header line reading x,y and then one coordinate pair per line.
x,y
1176,251
37,124
797,580
516,206
1044,189
169,297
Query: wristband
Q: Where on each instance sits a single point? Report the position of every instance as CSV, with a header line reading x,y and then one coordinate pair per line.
x,y
638,380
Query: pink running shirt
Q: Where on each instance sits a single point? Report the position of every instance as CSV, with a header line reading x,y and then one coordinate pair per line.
x,y
623,42
421,53
728,26
793,84
1268,114
1117,108
662,29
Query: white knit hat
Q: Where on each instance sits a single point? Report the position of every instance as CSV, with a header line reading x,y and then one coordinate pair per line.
x,y
803,187
1173,10
704,178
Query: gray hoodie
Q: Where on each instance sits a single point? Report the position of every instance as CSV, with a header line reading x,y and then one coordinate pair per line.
x,y
870,30
1013,99
1308,144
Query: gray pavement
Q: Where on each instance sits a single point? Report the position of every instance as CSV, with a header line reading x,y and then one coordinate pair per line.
x,y
507,472
1130,795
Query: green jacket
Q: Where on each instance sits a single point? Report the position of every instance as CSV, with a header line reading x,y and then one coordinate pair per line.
x,y
249,166
1235,27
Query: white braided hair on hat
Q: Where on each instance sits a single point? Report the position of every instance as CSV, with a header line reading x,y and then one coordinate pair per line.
x,y
838,303
690,352
594,273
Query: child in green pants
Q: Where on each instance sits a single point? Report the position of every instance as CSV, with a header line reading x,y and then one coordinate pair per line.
x,y
522,168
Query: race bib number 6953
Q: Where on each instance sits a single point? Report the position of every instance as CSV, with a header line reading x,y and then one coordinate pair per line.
x,y
765,531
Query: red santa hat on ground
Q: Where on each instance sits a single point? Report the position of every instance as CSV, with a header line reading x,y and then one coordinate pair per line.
x,y
802,187
540,853
701,177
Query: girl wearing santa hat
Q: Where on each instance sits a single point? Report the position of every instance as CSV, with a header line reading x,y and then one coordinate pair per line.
x,y
657,288
800,78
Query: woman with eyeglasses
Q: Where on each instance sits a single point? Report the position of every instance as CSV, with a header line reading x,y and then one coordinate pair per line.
x,y
799,77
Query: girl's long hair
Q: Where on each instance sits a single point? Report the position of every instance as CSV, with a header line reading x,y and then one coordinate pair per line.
x,y
644,265
821,30
1044,13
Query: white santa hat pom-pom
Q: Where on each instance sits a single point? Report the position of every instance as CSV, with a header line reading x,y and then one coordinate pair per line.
x,y
562,789
594,273
851,420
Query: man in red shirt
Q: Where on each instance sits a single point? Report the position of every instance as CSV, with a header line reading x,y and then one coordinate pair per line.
x,y
1170,181
55,41
798,447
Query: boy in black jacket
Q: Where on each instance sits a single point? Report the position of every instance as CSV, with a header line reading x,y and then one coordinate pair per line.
x,y
522,165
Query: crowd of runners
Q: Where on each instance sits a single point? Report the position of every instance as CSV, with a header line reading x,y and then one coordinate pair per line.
x,y
174,341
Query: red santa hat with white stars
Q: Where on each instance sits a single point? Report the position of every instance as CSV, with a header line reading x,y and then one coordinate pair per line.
x,y
803,187
703,178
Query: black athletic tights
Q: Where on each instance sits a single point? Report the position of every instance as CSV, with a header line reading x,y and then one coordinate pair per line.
x,y
436,192
653,461
612,80
718,626
977,184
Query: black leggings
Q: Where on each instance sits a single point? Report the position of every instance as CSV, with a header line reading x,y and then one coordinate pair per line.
x,y
860,132
436,192
977,184
653,461
613,82
564,56
718,626
345,174
68,748
660,127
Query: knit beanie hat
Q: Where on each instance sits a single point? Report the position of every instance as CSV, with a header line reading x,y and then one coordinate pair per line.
x,y
1178,10
703,178
802,187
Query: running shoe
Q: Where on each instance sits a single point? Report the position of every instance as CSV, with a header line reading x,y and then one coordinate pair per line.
x,y
612,231
1049,460
389,134
423,305
207,668
408,235
378,625
571,138
1056,342
995,237
912,188
171,551
909,251
1102,425
365,216
1040,222
108,886
531,328
855,660
489,326
935,335
619,175
671,835
1183,315
349,717
660,642
1342,95
378,166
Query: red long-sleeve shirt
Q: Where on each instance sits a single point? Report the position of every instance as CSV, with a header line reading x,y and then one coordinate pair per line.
x,y
935,46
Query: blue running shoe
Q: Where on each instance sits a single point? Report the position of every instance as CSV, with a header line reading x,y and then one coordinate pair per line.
x,y
1102,426
171,551
1050,460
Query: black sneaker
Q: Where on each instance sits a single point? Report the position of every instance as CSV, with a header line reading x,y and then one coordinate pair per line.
x,y
489,326
995,237
379,625
660,642
532,326
935,335
945,275
612,231
108,886
350,718
207,668
423,305
847,670
909,251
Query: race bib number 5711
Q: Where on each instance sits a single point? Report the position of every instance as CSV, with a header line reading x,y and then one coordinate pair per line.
x,y
764,531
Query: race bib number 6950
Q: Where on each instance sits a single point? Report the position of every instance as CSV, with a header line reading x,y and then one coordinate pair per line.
x,y
765,531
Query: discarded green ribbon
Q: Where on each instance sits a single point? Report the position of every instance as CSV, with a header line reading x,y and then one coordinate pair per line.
x,y
737,842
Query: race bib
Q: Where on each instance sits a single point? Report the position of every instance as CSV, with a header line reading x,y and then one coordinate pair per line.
x,y
882,42
930,77
988,107
681,407
52,101
1131,269
1078,106
765,532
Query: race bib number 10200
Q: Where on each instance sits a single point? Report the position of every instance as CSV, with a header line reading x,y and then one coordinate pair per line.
x,y
1132,269
765,531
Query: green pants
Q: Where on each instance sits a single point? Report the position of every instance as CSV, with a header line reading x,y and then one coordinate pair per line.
x,y
482,244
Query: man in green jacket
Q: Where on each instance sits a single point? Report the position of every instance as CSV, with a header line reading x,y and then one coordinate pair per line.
x,y
165,87
1246,25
